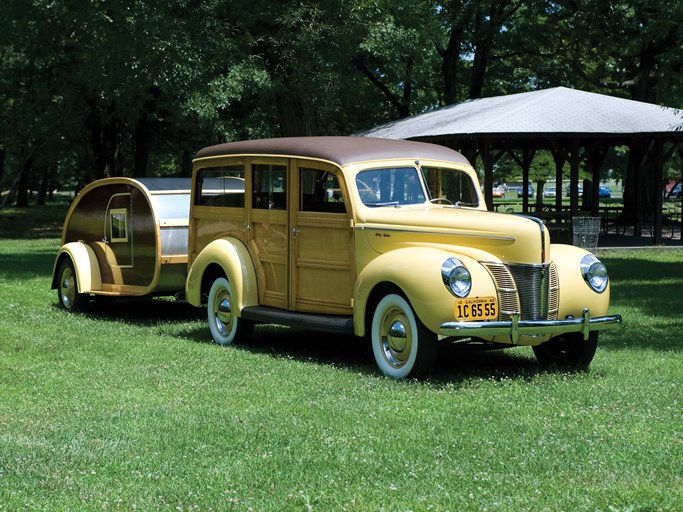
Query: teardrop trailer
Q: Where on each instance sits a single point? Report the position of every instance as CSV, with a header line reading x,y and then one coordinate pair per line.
x,y
383,239
124,237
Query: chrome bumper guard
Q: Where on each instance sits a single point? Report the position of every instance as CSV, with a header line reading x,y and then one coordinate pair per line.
x,y
516,327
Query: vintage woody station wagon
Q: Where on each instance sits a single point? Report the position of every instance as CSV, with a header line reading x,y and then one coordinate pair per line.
x,y
383,239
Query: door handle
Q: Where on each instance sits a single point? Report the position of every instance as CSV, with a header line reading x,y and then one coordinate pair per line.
x,y
294,232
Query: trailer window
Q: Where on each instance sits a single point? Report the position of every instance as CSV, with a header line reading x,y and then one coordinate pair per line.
x,y
119,225
220,186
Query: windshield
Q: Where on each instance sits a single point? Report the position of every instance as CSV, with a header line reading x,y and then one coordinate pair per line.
x,y
390,187
454,185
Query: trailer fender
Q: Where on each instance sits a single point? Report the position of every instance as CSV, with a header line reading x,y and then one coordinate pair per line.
x,y
229,256
85,265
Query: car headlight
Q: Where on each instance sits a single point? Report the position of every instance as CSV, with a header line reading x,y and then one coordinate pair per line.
x,y
456,277
594,273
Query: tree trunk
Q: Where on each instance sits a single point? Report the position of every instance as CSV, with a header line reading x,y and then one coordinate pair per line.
x,y
2,166
481,58
44,181
186,164
106,143
22,185
295,112
450,62
143,137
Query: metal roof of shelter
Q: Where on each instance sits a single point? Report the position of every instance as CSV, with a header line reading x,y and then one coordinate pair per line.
x,y
558,111
573,124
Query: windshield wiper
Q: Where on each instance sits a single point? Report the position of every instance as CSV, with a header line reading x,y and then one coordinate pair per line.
x,y
395,204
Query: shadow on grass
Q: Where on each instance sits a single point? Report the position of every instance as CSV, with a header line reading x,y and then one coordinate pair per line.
x,y
36,221
455,363
651,288
143,311
660,298
28,265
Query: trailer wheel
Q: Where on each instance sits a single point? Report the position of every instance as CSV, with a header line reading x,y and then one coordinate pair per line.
x,y
225,326
67,287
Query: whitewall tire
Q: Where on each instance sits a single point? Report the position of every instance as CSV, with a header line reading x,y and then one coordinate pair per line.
x,y
402,345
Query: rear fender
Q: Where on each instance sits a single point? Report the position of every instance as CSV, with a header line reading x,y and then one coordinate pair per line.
x,y
233,258
85,265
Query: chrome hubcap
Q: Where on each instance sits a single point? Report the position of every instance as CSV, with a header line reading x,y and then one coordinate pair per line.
x,y
68,288
223,312
396,338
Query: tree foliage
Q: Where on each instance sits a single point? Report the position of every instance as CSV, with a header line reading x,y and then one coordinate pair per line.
x,y
134,87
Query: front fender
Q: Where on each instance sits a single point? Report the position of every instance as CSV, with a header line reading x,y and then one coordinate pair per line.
x,y
417,272
575,294
87,269
233,258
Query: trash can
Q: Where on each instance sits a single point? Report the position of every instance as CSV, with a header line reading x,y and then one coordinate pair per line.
x,y
586,231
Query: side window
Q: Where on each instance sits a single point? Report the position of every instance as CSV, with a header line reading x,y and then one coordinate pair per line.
x,y
270,187
220,186
118,218
320,192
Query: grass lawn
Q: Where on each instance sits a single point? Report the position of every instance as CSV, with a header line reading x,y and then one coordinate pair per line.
x,y
130,407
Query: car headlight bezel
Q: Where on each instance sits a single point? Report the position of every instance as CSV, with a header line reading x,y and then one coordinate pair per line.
x,y
594,273
456,277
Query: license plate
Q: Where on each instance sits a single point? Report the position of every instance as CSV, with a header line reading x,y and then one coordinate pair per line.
x,y
476,308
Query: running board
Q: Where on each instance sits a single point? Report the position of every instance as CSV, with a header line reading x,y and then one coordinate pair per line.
x,y
327,323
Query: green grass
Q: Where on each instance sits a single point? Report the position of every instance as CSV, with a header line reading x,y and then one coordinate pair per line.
x,y
129,407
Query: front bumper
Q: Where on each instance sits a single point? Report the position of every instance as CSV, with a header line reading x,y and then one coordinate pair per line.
x,y
516,327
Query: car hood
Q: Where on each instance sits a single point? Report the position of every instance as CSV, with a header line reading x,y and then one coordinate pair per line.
x,y
478,233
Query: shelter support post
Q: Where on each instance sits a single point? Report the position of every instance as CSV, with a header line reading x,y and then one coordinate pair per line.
x,y
657,190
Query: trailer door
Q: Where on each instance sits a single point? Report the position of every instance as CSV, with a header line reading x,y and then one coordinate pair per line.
x,y
118,236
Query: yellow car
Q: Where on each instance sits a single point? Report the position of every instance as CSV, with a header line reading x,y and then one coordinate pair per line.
x,y
384,239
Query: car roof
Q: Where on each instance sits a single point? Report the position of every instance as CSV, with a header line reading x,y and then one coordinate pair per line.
x,y
339,150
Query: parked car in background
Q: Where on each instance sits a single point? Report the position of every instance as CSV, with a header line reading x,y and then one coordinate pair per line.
x,y
550,191
529,192
604,192
499,191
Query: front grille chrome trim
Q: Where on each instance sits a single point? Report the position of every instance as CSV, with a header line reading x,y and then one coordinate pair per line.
x,y
532,291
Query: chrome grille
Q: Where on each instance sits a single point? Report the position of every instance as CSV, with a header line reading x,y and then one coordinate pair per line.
x,y
553,293
508,302
531,290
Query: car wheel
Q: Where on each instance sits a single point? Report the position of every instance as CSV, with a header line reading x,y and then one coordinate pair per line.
x,y
226,327
568,350
67,287
402,345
